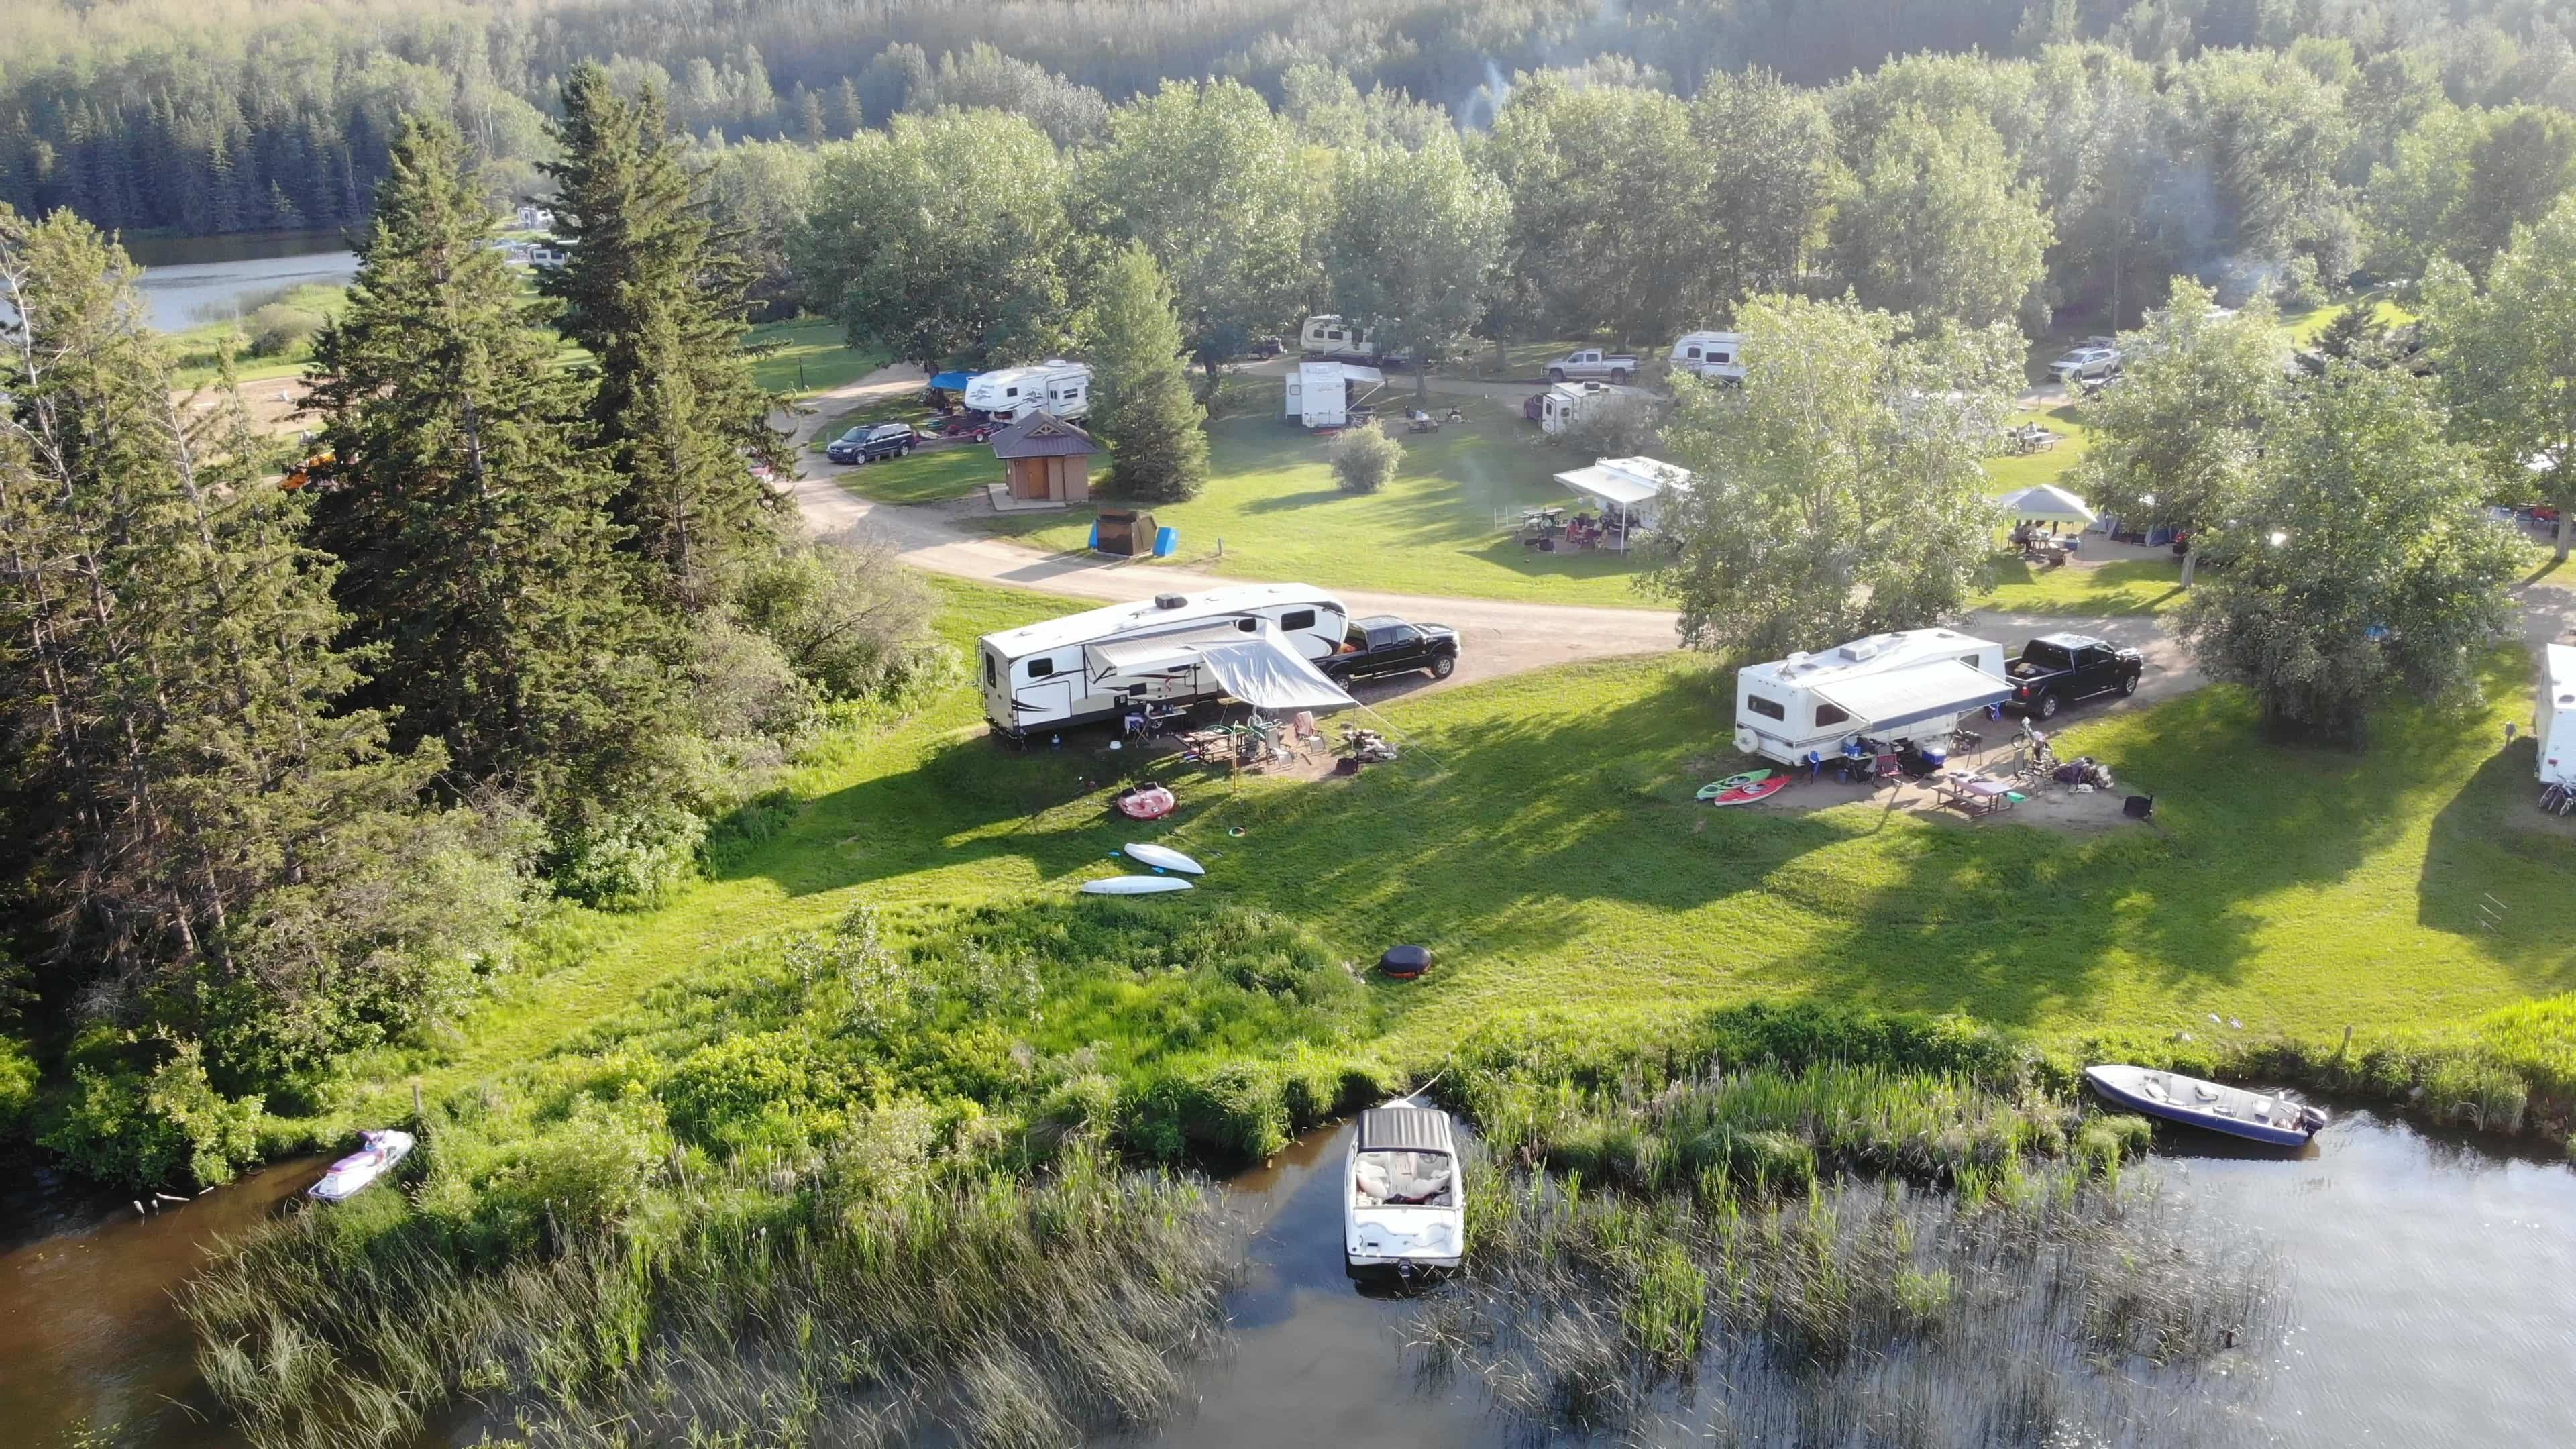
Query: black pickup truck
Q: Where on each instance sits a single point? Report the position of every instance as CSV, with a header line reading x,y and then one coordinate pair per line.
x,y
2055,670
1385,644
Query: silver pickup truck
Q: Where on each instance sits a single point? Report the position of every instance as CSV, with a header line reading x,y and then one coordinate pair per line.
x,y
1591,364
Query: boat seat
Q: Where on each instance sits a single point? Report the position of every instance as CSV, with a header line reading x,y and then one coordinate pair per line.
x,y
2154,1087
2204,1092
2262,1109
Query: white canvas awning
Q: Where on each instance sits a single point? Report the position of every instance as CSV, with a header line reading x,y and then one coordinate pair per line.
x,y
1265,671
1156,653
1627,482
2045,501
1901,697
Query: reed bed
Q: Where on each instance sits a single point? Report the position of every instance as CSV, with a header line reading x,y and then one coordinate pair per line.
x,y
1774,1127
2022,1308
1012,1311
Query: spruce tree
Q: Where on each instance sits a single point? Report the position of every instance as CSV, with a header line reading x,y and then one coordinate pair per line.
x,y
1142,404
204,820
658,299
471,515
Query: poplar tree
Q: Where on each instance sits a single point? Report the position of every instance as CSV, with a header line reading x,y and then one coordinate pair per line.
x,y
470,512
657,296
1142,405
211,842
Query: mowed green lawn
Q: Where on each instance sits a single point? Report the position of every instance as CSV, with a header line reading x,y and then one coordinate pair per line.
x,y
1540,834
1271,510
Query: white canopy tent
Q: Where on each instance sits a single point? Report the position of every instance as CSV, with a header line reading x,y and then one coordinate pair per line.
x,y
2044,502
1629,489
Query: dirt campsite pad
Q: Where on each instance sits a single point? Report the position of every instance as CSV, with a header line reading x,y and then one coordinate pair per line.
x,y
2048,805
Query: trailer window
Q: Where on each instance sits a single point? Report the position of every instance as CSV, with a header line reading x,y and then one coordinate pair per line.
x,y
1010,392
992,678
1827,714
1692,354
1764,707
1298,619
1248,625
1041,668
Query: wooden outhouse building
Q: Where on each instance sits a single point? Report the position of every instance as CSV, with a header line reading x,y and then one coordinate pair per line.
x,y
1046,458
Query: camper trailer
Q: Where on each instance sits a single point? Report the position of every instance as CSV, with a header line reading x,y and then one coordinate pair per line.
x,y
1102,663
1331,339
1321,394
1011,393
1568,403
1717,356
1913,685
2555,724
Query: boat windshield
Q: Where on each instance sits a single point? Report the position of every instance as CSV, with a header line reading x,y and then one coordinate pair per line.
x,y
1406,1179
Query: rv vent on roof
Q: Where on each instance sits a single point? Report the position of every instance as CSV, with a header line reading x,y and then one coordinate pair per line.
x,y
1171,601
1860,649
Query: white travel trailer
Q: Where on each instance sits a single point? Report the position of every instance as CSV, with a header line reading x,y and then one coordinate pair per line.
x,y
1718,356
1568,403
1254,642
1321,394
2554,724
1331,338
1011,393
1913,685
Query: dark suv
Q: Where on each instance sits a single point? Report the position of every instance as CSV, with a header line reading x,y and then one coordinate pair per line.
x,y
2055,670
864,444
1388,645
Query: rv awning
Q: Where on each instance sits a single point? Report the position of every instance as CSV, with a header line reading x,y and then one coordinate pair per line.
x,y
1157,652
953,381
1627,481
1263,671
1900,697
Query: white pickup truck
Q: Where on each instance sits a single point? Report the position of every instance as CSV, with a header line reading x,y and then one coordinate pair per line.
x,y
1591,364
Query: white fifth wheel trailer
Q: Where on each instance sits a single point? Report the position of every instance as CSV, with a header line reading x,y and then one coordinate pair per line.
x,y
1717,356
1257,642
1320,394
1917,684
1011,393
2555,720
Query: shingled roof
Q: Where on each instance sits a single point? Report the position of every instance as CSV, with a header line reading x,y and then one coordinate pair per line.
x,y
1043,435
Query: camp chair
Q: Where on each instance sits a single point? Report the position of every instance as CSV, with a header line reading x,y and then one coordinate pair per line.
x,y
1883,768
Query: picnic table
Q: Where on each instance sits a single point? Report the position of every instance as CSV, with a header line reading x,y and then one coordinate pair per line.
x,y
1977,796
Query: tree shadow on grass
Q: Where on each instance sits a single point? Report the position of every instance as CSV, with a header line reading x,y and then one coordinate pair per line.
x,y
2016,923
2495,870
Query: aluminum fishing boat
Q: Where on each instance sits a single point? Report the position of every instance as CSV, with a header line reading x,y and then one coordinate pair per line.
x,y
2193,1102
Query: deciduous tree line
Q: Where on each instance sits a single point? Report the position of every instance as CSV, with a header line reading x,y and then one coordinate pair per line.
x,y
286,769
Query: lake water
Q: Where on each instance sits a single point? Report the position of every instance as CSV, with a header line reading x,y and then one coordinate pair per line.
x,y
2432,1290
192,280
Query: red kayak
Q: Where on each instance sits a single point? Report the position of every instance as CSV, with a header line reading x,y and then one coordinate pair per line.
x,y
1757,790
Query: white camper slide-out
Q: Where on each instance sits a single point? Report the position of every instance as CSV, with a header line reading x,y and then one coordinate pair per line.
x,y
1012,393
1259,643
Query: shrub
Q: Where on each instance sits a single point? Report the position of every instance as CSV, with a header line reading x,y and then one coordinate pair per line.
x,y
18,1076
1365,459
142,1129
583,1175
278,328
630,862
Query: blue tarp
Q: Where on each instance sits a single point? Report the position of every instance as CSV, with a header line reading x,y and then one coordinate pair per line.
x,y
953,381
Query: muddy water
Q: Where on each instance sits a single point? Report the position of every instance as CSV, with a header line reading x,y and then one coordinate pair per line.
x,y
2432,1286
2432,1283
89,1333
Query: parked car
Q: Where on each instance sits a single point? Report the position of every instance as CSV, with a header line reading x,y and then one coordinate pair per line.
x,y
2056,670
1594,365
2085,363
865,444
1384,644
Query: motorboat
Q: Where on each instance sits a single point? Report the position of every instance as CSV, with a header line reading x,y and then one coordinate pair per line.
x,y
1404,1207
354,1172
2193,1102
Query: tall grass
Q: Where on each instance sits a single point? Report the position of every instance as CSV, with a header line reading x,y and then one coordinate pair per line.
x,y
2040,1308
1013,1311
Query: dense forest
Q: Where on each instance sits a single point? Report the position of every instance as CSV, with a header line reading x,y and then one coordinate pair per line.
x,y
229,116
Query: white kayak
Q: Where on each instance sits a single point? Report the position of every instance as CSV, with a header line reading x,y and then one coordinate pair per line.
x,y
1134,885
1162,857
362,1167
